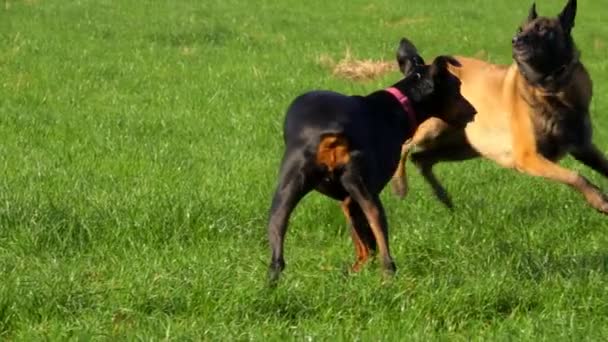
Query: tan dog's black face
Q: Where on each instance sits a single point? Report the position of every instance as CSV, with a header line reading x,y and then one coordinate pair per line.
x,y
450,105
545,44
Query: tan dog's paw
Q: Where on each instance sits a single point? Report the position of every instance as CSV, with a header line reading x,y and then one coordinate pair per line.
x,y
400,188
598,200
602,206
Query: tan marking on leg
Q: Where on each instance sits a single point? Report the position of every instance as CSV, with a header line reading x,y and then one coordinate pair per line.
x,y
361,250
372,213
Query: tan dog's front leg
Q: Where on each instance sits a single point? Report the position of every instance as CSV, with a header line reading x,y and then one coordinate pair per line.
x,y
536,165
593,158
425,136
399,181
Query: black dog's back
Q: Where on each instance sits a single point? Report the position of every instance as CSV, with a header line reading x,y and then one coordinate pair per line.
x,y
317,113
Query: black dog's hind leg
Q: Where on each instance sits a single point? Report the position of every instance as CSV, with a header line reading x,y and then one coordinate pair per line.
x,y
293,185
361,233
353,183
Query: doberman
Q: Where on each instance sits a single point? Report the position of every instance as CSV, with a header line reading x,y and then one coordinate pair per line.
x,y
347,147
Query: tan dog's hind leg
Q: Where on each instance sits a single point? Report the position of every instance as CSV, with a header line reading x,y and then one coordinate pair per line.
x,y
537,165
425,160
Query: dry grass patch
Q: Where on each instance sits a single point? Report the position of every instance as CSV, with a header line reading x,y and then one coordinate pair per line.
x,y
352,68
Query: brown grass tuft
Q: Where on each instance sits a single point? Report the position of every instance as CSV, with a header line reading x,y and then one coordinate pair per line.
x,y
598,44
356,69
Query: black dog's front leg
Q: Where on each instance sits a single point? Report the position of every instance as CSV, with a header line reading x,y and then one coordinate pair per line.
x,y
353,181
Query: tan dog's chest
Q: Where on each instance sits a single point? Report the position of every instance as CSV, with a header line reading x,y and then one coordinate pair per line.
x,y
558,130
511,116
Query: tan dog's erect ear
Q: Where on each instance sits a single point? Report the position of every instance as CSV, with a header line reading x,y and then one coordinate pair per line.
x,y
532,15
566,18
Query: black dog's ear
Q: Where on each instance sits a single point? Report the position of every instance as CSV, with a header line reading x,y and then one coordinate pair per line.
x,y
566,18
451,60
408,57
439,68
532,15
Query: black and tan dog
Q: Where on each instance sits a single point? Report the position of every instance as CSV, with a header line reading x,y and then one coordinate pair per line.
x,y
530,114
348,147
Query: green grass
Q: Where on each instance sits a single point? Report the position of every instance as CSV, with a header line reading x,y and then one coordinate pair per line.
x,y
140,142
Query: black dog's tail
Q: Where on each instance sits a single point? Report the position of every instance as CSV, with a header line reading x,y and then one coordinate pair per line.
x,y
333,150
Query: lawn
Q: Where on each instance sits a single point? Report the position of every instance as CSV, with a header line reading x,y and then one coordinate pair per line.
x,y
140,142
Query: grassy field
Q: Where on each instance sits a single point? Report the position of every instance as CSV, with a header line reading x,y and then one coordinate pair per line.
x,y
139,146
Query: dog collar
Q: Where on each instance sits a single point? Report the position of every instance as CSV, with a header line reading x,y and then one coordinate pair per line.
x,y
406,104
553,80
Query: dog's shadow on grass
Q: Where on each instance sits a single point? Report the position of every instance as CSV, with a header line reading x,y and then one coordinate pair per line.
x,y
534,266
282,304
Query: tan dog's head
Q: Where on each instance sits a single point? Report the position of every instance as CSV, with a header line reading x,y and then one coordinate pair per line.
x,y
544,45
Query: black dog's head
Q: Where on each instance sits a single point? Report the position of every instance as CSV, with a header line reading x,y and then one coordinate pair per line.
x,y
433,87
544,45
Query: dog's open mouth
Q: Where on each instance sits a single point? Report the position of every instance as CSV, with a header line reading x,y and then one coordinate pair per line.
x,y
522,48
522,51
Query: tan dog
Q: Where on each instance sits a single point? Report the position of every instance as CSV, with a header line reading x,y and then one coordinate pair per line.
x,y
529,114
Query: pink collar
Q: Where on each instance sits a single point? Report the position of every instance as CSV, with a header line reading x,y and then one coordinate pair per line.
x,y
406,104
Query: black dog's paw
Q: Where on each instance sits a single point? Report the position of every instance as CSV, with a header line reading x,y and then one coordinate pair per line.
x,y
274,272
